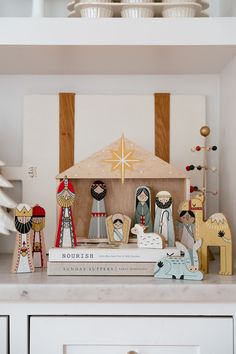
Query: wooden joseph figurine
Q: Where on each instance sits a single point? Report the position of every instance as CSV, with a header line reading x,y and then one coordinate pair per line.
x,y
22,258
97,227
66,236
38,248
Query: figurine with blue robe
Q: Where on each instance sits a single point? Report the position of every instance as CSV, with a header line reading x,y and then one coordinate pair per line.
x,y
143,208
163,224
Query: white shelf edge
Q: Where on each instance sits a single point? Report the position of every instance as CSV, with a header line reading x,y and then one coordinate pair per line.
x,y
118,31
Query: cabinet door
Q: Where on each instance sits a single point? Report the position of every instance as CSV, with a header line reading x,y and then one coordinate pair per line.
x,y
3,335
119,335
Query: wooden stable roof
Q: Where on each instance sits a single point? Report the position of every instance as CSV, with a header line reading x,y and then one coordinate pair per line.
x,y
149,166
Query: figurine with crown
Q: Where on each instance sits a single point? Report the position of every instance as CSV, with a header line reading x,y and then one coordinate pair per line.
x,y
22,258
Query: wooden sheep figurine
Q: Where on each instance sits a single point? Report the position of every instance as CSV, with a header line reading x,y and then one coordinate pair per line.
x,y
180,267
147,240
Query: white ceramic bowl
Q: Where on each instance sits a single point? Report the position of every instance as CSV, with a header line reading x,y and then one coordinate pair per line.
x,y
180,11
177,1
136,12
136,1
94,1
96,11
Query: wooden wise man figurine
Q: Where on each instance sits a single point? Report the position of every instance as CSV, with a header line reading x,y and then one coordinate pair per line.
x,y
97,228
143,207
118,228
163,224
66,236
22,258
38,248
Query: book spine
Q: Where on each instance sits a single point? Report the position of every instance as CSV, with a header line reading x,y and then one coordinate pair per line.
x,y
103,269
86,255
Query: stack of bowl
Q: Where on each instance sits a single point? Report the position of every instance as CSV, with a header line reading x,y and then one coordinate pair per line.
x,y
179,11
135,11
90,9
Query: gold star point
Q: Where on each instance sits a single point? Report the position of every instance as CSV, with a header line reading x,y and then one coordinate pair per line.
x,y
122,159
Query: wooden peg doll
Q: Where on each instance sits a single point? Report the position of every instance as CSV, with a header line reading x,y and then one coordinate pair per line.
x,y
163,224
118,228
38,241
186,228
97,228
22,258
143,207
66,236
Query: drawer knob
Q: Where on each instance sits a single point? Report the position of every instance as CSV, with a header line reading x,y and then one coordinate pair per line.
x,y
132,352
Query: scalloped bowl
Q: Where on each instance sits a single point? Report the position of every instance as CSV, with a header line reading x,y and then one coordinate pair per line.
x,y
179,11
136,12
136,1
96,11
177,1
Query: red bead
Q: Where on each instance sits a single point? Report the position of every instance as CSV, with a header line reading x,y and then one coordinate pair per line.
x,y
198,148
187,168
191,189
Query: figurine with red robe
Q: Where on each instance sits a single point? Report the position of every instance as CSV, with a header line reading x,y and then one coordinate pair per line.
x,y
38,240
66,236
22,258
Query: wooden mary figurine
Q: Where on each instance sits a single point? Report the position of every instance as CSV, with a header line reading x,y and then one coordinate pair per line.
x,y
38,241
118,228
66,236
22,258
143,207
186,228
97,228
163,224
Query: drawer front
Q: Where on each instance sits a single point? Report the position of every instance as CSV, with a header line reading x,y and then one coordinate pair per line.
x,y
119,335
3,335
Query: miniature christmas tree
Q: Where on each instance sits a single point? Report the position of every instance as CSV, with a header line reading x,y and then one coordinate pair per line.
x,y
204,168
6,221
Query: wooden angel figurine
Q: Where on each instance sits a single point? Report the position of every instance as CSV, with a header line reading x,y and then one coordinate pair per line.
x,y
186,228
22,258
118,228
38,241
143,207
66,236
97,228
163,224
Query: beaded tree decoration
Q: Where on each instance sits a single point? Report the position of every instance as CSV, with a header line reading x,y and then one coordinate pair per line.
x,y
203,168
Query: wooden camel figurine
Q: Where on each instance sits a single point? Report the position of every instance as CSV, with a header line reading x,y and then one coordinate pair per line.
x,y
214,232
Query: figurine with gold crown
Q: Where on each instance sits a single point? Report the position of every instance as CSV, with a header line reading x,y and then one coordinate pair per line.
x,y
22,258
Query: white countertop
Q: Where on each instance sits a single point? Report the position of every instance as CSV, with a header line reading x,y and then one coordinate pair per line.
x,y
38,287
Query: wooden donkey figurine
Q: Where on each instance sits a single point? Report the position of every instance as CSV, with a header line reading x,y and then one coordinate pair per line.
x,y
214,232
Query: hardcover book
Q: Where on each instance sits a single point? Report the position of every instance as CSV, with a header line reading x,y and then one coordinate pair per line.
x,y
103,269
109,253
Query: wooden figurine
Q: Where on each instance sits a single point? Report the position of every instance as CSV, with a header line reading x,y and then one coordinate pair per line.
x,y
214,232
180,267
143,207
118,228
97,228
66,236
147,240
38,240
186,228
22,258
163,223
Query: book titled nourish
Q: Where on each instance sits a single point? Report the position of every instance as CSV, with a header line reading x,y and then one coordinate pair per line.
x,y
107,253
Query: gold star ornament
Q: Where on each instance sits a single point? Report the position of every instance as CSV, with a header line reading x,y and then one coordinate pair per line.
x,y
122,159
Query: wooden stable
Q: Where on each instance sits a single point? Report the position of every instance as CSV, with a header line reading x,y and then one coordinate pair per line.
x,y
150,171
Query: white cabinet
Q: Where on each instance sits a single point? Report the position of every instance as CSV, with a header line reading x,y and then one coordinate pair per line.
x,y
119,335
3,335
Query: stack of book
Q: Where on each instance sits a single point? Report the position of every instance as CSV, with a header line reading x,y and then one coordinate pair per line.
x,y
101,259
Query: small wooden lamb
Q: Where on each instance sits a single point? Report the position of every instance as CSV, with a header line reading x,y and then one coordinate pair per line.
x,y
184,267
147,240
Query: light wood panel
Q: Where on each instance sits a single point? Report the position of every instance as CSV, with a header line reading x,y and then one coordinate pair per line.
x,y
66,133
162,126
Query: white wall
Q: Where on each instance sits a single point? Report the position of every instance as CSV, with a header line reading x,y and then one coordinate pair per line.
x,y
13,89
228,143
